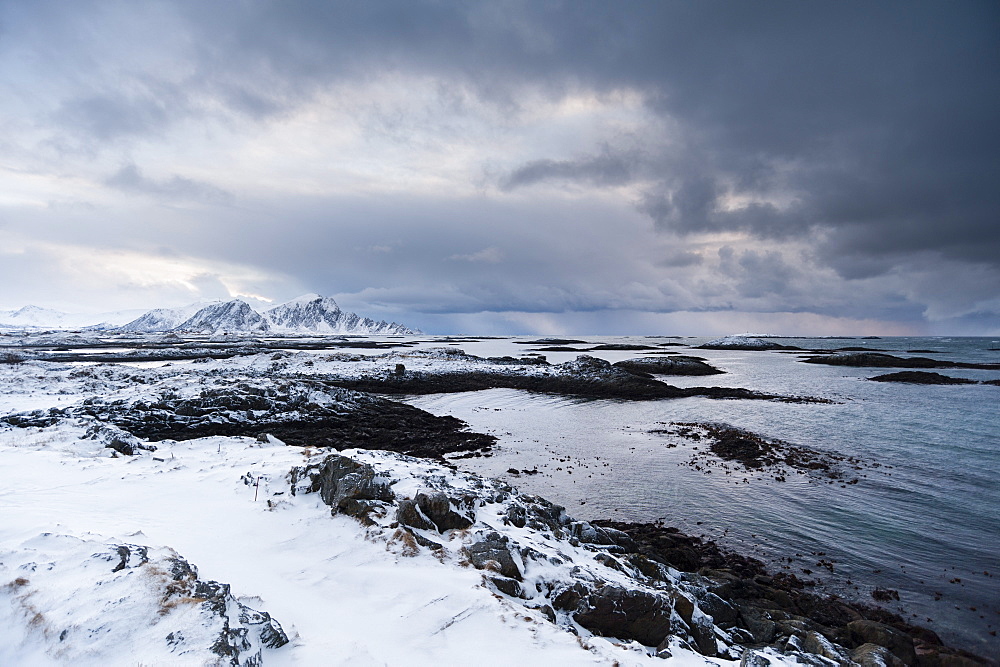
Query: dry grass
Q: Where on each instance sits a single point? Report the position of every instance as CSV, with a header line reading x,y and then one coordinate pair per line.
x,y
404,540
167,606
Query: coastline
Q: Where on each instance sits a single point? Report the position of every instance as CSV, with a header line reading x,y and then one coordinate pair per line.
x,y
293,397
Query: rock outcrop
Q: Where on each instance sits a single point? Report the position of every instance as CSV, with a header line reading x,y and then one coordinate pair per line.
x,y
297,413
131,599
674,365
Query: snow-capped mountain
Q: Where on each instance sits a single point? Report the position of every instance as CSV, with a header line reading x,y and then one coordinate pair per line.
x,y
307,314
227,317
317,314
33,317
162,319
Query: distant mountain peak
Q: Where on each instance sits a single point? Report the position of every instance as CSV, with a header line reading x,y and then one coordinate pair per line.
x,y
306,314
229,316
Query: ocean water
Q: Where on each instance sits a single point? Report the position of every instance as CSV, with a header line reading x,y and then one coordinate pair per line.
x,y
926,522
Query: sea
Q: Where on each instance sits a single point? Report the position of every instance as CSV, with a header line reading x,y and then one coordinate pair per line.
x,y
924,522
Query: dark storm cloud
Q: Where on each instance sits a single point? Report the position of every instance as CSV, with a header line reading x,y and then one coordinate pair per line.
x,y
864,131
878,117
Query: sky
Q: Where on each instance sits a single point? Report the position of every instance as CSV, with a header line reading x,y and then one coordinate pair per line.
x,y
544,167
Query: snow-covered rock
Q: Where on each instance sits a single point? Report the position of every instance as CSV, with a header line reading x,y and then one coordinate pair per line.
x,y
70,599
739,343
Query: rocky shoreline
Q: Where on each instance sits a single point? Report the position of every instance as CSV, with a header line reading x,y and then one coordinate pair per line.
x,y
647,583
782,610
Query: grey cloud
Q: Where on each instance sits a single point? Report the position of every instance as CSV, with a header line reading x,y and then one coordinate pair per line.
x,y
680,258
108,117
877,120
605,169
130,179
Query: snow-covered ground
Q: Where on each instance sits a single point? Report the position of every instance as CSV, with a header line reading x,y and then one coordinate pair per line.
x,y
342,593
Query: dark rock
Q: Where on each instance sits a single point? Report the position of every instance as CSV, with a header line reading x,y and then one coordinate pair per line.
x,y
816,644
493,552
587,533
920,377
507,586
363,510
586,377
569,599
423,541
408,513
270,632
131,555
700,625
751,658
879,360
341,479
755,452
285,409
515,515
750,345
940,656
676,365
873,632
873,655
724,614
669,546
759,623
885,594
447,513
613,611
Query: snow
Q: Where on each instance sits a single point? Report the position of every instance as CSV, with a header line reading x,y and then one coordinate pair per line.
x,y
738,341
344,594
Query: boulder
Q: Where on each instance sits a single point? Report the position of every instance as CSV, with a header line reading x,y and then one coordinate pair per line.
x,y
873,632
700,624
117,439
341,479
873,655
678,365
447,513
409,514
613,611
815,643
493,552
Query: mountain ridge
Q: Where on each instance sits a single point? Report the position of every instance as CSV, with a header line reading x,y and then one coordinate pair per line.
x,y
306,314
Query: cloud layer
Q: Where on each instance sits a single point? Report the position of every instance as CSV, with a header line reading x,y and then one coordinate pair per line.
x,y
510,166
